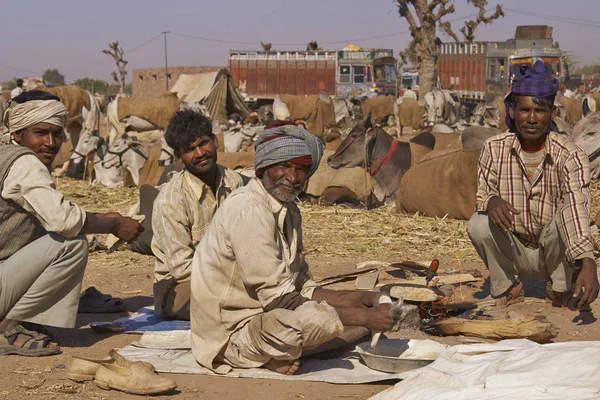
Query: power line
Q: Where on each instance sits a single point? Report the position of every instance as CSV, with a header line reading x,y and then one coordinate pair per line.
x,y
17,69
106,60
208,39
567,20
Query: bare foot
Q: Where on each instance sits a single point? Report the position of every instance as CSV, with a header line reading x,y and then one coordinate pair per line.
x,y
285,367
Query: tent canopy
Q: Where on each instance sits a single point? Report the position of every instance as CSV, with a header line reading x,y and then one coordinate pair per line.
x,y
216,90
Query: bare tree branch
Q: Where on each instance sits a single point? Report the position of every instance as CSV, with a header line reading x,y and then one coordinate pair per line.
x,y
404,11
443,11
117,53
447,27
469,29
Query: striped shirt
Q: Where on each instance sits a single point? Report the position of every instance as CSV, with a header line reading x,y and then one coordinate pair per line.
x,y
250,256
181,214
560,186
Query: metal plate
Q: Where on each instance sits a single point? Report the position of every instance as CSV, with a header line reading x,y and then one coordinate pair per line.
x,y
385,356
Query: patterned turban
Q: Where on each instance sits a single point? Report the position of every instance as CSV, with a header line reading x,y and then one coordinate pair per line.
x,y
19,116
535,81
285,143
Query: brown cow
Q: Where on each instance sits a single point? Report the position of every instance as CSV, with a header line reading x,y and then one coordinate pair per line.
x,y
443,184
409,113
379,107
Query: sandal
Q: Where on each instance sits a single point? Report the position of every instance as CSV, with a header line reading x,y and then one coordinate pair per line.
x,y
96,302
515,294
560,299
20,341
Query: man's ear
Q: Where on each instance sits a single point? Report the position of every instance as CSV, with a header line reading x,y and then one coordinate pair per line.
x,y
18,136
511,111
216,142
554,109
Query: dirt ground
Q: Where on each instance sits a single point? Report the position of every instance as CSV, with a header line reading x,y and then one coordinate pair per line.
x,y
336,239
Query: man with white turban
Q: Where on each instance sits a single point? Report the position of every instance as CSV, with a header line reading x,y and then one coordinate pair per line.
x,y
253,300
43,249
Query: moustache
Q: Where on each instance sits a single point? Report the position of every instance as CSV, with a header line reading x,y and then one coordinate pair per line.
x,y
288,185
203,158
48,150
528,126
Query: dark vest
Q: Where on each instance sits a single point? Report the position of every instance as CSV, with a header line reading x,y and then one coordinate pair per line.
x,y
18,228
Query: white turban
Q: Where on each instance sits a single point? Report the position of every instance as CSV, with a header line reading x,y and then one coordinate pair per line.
x,y
21,116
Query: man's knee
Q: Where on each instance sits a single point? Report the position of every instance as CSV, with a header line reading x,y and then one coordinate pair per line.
x,y
309,324
76,248
478,227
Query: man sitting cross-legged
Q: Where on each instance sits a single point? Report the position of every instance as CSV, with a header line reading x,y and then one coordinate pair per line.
x,y
41,276
253,300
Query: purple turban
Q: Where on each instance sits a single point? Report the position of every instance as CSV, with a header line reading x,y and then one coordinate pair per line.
x,y
535,81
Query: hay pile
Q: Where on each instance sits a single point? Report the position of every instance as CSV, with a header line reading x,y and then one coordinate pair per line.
x,y
382,234
335,235
97,198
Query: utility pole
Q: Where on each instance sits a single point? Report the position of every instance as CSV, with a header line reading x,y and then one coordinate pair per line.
x,y
166,61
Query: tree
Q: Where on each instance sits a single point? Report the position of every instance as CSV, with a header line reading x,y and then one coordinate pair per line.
x,y
53,77
423,20
93,85
9,85
116,53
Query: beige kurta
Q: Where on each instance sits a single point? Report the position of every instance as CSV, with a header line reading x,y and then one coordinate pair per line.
x,y
30,185
250,255
181,214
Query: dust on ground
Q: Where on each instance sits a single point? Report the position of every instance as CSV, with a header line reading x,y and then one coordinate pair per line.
x,y
336,239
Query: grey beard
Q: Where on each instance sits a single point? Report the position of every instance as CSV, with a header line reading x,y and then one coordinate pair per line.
x,y
274,188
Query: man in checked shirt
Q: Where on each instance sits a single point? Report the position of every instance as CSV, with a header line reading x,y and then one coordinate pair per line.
x,y
533,201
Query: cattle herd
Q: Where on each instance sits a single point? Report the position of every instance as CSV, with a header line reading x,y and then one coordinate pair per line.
x,y
420,155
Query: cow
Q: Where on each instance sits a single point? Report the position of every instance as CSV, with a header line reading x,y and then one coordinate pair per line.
x,y
441,107
409,113
140,116
317,111
569,109
443,183
586,135
474,136
379,107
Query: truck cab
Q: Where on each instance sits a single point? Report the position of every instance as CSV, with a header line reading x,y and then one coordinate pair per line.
x,y
370,73
551,56
409,78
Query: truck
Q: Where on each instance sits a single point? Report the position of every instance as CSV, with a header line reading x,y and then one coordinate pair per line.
x,y
480,71
262,75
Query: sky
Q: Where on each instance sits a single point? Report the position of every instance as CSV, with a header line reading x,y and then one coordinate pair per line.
x,y
70,35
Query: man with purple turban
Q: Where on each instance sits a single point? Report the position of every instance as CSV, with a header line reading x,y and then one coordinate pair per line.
x,y
253,300
533,201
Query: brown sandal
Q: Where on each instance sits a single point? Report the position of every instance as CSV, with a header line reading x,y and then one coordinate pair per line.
x,y
515,294
23,342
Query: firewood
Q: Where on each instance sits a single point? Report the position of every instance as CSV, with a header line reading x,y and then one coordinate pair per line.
x,y
540,331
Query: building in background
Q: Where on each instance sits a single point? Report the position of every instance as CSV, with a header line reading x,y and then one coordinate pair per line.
x,y
150,83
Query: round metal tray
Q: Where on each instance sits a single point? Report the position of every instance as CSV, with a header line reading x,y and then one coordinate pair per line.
x,y
385,356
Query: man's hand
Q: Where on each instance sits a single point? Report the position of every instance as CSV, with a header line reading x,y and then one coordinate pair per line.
x,y
588,280
382,318
501,213
369,298
127,229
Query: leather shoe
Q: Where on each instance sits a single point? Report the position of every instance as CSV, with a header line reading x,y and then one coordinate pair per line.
x,y
84,369
135,379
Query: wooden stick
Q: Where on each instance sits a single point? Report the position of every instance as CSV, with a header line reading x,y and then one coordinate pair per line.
x,y
528,328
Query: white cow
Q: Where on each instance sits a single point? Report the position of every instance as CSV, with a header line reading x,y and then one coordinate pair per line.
x,y
110,160
117,127
85,125
441,107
